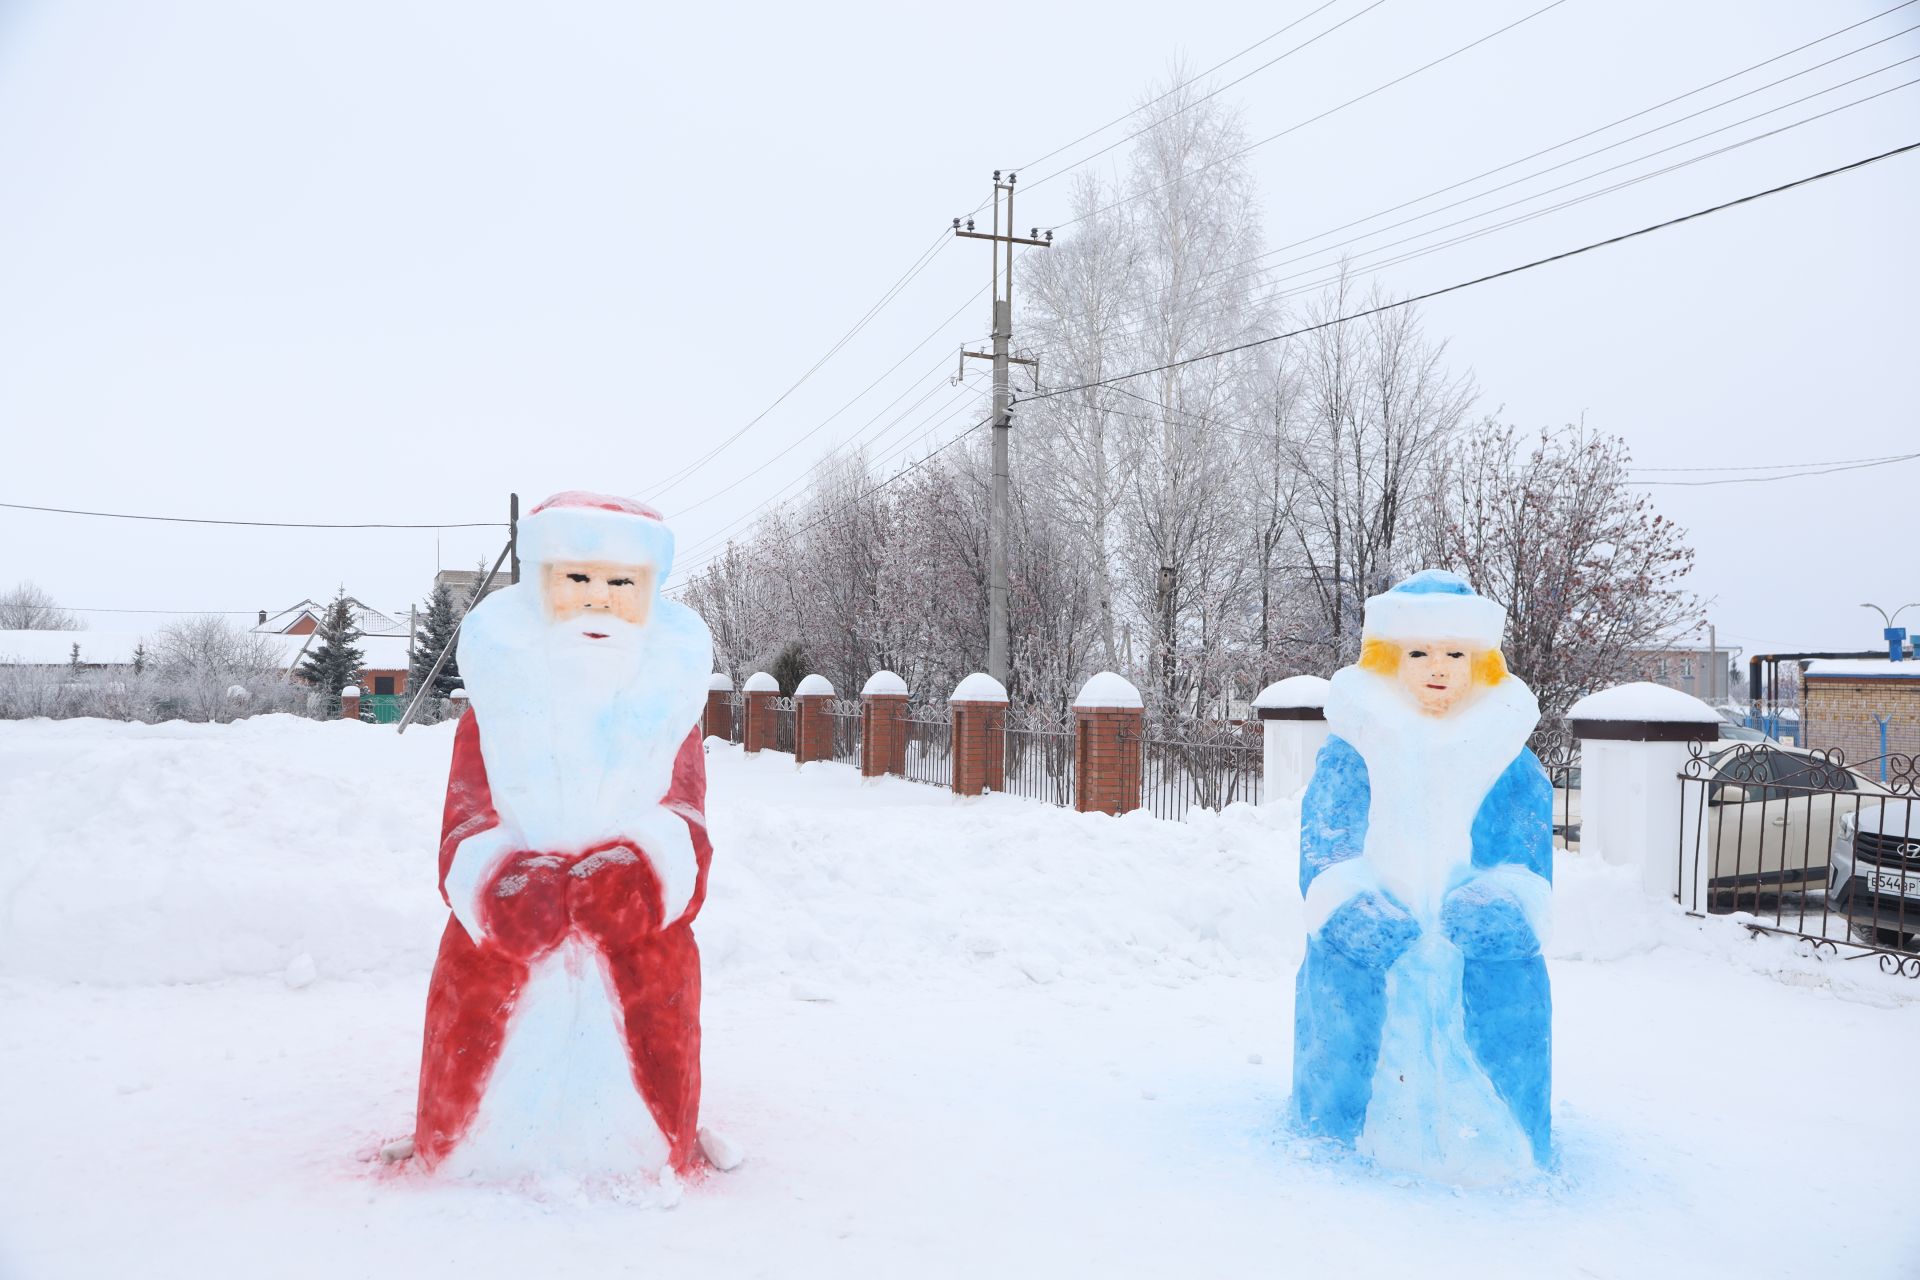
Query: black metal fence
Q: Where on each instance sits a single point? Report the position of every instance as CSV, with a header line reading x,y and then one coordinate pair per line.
x,y
1559,753
1039,758
929,744
1192,763
736,717
1805,844
786,726
844,715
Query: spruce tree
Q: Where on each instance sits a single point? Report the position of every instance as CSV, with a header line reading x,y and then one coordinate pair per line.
x,y
336,661
430,639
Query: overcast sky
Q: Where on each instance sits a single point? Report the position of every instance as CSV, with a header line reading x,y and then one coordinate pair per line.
x,y
389,262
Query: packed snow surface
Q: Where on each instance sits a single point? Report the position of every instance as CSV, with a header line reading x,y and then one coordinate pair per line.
x,y
1643,701
1106,689
1294,691
943,1037
1865,668
883,682
812,686
978,687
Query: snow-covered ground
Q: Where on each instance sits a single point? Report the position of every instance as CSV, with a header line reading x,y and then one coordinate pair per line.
x,y
979,1037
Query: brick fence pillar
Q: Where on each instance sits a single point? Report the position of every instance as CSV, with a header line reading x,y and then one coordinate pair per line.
x,y
978,706
813,720
350,702
883,725
1109,724
457,704
761,689
718,720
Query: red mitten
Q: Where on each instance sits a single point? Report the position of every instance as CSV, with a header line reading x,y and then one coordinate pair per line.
x,y
524,905
613,895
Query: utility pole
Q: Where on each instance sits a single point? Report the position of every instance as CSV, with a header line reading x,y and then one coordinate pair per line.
x,y
513,536
1002,408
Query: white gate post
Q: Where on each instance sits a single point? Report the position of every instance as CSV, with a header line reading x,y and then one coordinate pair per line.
x,y
1293,726
1633,746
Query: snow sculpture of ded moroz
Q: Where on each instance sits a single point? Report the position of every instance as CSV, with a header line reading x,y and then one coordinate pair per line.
x,y
563,1020
1422,1031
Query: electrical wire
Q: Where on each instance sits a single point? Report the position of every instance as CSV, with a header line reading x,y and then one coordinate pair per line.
x,y
253,524
1487,278
1789,475
1784,466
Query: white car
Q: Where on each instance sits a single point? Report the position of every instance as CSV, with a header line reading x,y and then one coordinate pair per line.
x,y
1874,874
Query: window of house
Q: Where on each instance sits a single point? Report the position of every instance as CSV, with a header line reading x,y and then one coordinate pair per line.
x,y
383,684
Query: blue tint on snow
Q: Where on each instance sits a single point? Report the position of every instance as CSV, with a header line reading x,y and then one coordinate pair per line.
x,y
1340,991
1431,582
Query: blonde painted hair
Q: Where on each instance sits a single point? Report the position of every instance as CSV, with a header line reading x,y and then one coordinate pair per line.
x,y
1382,657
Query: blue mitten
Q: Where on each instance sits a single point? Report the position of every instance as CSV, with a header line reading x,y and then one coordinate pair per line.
x,y
1487,922
1371,928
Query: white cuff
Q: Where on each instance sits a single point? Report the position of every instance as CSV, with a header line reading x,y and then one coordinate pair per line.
x,y
475,859
1529,888
1334,887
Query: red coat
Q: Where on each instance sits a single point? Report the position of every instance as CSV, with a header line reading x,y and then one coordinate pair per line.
x,y
655,969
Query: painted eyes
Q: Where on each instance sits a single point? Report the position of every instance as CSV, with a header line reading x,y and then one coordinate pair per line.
x,y
1456,654
577,577
619,582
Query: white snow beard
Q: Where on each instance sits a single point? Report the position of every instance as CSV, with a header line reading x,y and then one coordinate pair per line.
x,y
579,735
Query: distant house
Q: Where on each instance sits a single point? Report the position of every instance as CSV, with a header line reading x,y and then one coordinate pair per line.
x,y
1692,663
385,642
462,582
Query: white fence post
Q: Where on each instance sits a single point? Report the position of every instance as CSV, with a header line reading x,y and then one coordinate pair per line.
x,y
1633,746
1293,726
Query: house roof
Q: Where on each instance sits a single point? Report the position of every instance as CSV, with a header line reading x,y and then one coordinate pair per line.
x,y
370,620
1863,669
52,648
115,649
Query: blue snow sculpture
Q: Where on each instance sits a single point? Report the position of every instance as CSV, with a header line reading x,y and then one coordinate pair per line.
x,y
1422,1028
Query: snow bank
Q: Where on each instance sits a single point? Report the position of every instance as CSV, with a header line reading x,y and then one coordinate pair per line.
x,y
188,853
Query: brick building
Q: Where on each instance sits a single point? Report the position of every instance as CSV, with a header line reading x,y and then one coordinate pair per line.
x,y
1846,701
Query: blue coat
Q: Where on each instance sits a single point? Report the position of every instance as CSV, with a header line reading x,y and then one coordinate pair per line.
x,y
1340,993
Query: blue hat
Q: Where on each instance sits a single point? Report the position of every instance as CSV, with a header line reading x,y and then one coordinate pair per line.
x,y
1435,605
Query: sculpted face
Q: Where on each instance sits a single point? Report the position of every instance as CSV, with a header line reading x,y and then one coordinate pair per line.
x,y
1437,673
588,589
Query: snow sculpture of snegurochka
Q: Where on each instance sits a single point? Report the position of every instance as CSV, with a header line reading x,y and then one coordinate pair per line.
x,y
1422,1029
563,1020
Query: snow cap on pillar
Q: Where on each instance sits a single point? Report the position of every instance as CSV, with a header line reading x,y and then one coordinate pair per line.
x,y
1644,712
884,684
1295,698
814,686
581,526
760,682
720,682
1435,605
1107,689
978,687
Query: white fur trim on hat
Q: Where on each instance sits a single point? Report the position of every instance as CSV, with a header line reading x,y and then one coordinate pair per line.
x,y
1435,605
588,527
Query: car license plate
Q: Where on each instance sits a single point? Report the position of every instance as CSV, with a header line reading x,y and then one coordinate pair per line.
x,y
1894,884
